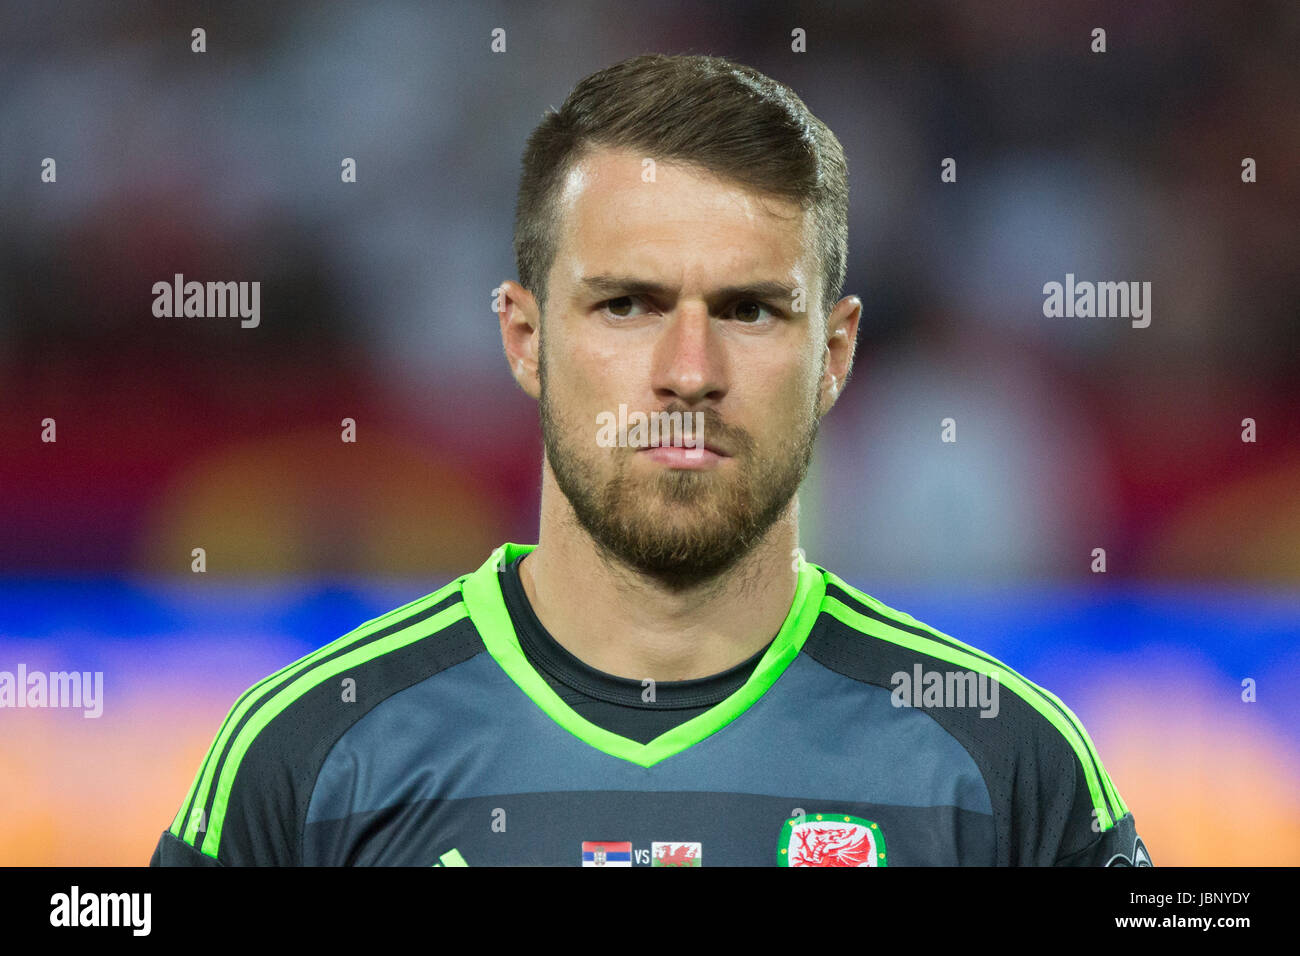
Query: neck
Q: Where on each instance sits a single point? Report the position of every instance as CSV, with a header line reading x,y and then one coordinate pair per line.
x,y
629,625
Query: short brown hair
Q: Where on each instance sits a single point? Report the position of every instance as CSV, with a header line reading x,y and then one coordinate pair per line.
x,y
718,115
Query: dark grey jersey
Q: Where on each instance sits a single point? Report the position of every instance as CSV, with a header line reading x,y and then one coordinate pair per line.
x,y
859,737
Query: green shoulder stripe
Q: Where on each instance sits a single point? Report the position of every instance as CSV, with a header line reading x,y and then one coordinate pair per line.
x,y
1005,676
301,685
904,618
249,698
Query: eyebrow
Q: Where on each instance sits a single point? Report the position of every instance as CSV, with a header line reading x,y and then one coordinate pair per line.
x,y
609,286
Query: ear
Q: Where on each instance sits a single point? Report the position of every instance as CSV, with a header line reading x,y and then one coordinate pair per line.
x,y
520,330
841,338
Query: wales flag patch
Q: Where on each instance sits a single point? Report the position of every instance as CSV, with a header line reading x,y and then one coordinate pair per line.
x,y
830,839
676,854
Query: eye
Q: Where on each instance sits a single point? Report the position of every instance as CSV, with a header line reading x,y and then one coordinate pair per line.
x,y
750,312
622,307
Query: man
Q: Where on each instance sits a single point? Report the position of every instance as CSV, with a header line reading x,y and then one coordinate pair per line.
x,y
663,679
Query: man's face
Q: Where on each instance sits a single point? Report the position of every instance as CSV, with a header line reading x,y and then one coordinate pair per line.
x,y
638,314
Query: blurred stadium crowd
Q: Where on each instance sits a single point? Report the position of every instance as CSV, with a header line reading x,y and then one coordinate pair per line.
x,y
1072,433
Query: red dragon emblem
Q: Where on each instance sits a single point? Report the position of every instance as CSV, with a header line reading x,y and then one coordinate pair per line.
x,y
821,845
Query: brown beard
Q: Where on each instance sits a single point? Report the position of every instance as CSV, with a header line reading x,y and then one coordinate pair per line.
x,y
726,516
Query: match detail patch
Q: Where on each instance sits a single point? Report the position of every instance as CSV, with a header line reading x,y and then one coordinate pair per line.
x,y
600,853
676,854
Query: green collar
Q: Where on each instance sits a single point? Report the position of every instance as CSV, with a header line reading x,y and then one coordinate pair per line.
x,y
487,609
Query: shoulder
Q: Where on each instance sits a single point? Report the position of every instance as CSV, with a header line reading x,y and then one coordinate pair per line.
x,y
307,701
1024,737
249,797
865,630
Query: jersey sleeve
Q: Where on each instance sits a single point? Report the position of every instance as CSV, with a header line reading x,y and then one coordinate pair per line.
x,y
248,801
1093,826
171,851
1118,846
1064,809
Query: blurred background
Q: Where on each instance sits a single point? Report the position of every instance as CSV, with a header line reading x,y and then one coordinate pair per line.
x,y
1073,433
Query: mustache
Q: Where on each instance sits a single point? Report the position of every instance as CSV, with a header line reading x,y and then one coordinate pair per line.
x,y
706,425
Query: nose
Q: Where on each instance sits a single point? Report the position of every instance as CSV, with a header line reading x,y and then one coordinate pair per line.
x,y
689,361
